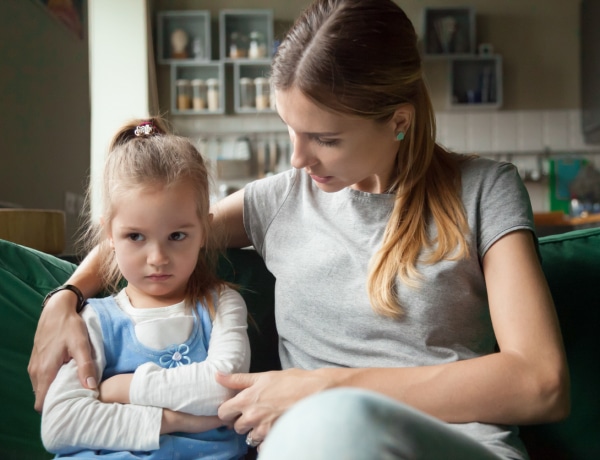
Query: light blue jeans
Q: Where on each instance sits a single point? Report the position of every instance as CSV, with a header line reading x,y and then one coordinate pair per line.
x,y
352,424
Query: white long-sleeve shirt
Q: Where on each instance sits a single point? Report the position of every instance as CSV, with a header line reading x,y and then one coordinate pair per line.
x,y
74,417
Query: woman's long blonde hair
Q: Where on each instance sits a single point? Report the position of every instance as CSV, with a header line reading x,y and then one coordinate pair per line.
x,y
157,159
360,58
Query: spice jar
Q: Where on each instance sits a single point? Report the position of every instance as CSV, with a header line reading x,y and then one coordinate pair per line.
x,y
237,46
246,93
184,94
199,94
258,47
213,94
263,98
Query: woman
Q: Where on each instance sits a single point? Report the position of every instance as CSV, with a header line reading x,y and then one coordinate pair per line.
x,y
403,270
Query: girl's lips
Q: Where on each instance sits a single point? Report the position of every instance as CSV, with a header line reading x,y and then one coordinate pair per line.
x,y
159,277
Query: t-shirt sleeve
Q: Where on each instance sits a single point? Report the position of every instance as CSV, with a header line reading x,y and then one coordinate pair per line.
x,y
262,200
503,205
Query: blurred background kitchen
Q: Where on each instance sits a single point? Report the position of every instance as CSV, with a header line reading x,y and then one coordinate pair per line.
x,y
517,80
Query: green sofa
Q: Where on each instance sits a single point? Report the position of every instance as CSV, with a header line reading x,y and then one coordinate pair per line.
x,y
571,262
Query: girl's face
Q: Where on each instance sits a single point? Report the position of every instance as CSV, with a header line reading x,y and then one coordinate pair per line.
x,y
157,236
339,151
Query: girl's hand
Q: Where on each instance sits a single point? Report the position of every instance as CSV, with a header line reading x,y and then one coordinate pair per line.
x,y
264,397
185,423
61,335
116,389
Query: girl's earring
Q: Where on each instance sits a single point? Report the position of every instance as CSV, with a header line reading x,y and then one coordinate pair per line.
x,y
400,136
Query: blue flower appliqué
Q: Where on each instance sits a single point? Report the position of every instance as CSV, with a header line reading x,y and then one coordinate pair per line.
x,y
176,357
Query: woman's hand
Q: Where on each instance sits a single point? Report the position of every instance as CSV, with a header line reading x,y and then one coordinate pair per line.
x,y
116,389
61,335
185,423
264,397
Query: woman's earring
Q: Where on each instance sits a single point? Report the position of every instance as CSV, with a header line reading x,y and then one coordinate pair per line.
x,y
400,136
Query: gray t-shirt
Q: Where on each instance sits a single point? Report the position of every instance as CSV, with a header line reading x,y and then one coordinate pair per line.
x,y
318,246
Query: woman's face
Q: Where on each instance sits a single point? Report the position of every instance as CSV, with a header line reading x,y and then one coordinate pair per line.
x,y
338,151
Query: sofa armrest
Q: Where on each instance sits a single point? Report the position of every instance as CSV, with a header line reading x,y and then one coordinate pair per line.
x,y
571,263
26,276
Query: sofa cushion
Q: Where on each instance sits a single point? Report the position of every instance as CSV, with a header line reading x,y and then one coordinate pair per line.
x,y
246,269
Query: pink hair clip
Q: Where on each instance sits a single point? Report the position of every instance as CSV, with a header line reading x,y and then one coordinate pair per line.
x,y
145,129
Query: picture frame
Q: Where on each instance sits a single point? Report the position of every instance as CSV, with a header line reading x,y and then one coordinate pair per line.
x,y
68,12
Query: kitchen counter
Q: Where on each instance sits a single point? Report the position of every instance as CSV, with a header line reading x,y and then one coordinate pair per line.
x,y
555,222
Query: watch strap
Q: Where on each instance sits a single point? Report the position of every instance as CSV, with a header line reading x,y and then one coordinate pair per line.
x,y
68,287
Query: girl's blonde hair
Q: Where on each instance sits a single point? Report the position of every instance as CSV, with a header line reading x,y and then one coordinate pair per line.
x,y
360,58
155,158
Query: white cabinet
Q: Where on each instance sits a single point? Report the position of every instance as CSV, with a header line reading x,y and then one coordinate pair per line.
x,y
475,74
251,87
204,91
245,49
245,34
183,36
476,82
448,31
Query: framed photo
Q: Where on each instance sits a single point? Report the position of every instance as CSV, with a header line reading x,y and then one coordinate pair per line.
x,y
449,31
69,12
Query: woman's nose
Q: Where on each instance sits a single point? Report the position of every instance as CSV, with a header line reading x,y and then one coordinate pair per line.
x,y
301,153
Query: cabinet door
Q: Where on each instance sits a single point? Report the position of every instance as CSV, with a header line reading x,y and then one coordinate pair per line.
x,y
448,31
476,81
183,36
245,34
251,87
211,74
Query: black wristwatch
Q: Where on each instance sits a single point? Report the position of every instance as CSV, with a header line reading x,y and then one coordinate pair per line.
x,y
68,287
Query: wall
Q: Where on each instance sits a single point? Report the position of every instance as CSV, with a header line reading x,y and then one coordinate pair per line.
x,y
539,41
119,40
45,109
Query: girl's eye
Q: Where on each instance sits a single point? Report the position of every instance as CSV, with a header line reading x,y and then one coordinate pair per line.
x,y
326,142
135,236
177,236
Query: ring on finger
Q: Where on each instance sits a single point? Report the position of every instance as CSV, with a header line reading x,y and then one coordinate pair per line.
x,y
252,442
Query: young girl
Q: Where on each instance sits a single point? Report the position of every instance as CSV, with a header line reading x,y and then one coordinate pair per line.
x,y
174,313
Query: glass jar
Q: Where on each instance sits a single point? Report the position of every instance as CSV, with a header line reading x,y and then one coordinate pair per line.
x,y
246,93
184,94
258,46
263,90
237,46
213,96
199,94
198,48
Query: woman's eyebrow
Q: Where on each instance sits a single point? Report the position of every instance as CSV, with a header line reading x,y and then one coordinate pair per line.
x,y
324,133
